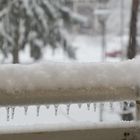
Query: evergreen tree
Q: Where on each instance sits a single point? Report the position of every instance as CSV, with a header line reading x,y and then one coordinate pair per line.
x,y
36,23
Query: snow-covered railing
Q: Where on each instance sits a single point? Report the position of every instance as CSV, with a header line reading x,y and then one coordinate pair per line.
x,y
52,83
69,82
119,131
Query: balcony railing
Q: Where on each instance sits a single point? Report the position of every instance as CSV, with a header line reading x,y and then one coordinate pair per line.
x,y
56,83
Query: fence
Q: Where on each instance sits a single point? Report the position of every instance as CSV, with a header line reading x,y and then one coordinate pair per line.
x,y
56,83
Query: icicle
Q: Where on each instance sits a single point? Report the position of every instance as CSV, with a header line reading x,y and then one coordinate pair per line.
x,y
47,106
56,109
37,110
121,105
68,109
111,106
103,105
88,106
94,105
13,112
8,113
79,105
25,110
101,110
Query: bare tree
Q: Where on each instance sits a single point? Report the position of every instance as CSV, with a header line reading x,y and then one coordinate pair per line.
x,y
133,30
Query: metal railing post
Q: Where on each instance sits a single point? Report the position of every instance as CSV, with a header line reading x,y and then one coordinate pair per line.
x,y
138,110
138,103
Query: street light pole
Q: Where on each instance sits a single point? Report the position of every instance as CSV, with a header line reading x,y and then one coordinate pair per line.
x,y
103,27
122,27
102,13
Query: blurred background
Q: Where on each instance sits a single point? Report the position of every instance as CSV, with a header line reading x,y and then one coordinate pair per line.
x,y
36,31
64,30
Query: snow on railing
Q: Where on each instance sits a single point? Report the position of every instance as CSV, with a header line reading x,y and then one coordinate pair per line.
x,y
56,83
119,131
69,82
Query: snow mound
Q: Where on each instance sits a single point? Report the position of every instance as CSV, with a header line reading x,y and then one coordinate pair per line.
x,y
53,75
69,82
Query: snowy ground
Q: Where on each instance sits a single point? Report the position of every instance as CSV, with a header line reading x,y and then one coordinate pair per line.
x,y
88,50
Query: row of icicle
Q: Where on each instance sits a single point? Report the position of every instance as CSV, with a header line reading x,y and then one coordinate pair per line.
x,y
12,109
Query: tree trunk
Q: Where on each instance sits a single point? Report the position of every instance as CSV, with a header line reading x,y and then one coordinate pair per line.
x,y
15,54
132,47
15,51
131,52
